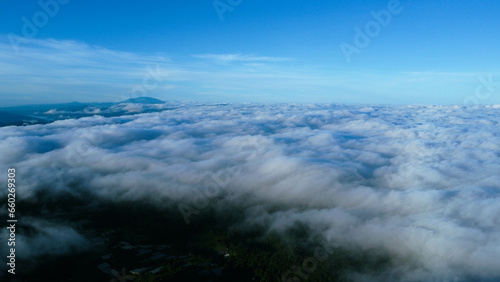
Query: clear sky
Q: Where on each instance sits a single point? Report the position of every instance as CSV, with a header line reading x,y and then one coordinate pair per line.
x,y
377,51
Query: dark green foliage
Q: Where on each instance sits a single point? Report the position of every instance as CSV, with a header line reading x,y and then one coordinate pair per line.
x,y
199,247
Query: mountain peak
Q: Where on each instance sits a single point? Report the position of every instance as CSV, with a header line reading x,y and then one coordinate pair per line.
x,y
143,100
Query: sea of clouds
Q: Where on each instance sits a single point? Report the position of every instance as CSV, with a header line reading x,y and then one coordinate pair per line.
x,y
418,183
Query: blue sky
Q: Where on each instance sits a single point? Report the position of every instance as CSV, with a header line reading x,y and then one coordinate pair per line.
x,y
427,52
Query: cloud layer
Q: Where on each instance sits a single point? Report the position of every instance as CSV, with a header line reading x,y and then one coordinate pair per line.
x,y
418,183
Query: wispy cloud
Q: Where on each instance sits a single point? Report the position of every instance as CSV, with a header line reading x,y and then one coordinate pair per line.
x,y
49,70
228,58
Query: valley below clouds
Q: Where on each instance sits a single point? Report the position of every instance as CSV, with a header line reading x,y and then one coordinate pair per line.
x,y
417,184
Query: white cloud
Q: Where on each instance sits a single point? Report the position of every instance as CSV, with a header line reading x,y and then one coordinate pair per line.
x,y
418,183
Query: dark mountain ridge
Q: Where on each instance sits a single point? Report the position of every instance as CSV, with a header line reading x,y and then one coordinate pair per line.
x,y
45,113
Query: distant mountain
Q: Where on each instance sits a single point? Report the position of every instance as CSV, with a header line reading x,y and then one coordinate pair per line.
x,y
36,114
7,119
143,100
